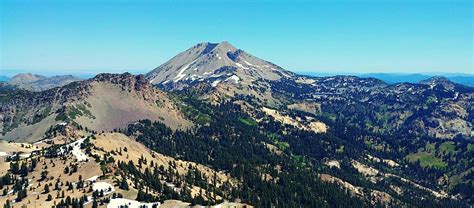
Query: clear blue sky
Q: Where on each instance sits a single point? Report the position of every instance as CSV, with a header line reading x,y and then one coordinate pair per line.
x,y
72,36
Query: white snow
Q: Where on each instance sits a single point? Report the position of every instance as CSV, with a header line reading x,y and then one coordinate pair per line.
x,y
216,75
241,66
36,143
206,73
166,81
214,84
432,85
25,155
180,73
193,77
117,202
217,55
2,154
248,63
104,186
93,178
76,150
235,78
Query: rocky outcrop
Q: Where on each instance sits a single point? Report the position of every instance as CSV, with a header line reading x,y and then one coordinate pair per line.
x,y
103,103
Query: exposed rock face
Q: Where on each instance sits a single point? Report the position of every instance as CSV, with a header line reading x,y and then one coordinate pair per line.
x,y
216,72
103,103
33,82
221,70
438,108
214,63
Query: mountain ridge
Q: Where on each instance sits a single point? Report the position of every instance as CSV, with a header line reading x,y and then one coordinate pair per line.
x,y
233,77
34,82
102,103
393,78
338,140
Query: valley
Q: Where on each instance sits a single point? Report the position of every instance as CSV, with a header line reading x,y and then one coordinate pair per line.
x,y
216,126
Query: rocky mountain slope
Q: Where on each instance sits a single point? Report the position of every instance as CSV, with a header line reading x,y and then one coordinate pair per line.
x,y
218,68
33,82
219,71
215,62
103,103
216,124
440,109
89,170
409,123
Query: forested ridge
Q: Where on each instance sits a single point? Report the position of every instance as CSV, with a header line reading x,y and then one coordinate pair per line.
x,y
287,179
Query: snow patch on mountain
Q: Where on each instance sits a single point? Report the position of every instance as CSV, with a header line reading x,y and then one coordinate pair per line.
x,y
246,62
76,150
235,78
121,202
93,178
181,74
241,66
107,188
215,83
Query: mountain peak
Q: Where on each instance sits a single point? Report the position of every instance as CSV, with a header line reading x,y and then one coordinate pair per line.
x,y
207,47
25,78
439,81
34,82
215,63
436,79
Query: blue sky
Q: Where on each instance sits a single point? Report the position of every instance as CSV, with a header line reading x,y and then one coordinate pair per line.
x,y
86,37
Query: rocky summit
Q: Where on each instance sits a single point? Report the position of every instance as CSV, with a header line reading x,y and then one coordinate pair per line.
x,y
215,63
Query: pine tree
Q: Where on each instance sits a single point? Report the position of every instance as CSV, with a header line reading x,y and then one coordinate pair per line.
x,y
46,189
7,204
94,204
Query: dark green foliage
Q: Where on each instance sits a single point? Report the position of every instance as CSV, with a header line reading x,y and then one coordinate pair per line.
x,y
232,142
232,145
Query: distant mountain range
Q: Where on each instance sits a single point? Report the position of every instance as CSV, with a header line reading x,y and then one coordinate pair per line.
x,y
216,124
34,82
392,78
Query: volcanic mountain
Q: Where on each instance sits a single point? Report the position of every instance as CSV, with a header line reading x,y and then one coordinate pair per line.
x,y
219,62
219,68
250,132
219,71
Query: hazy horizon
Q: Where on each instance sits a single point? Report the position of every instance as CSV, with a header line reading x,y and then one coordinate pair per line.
x,y
88,74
